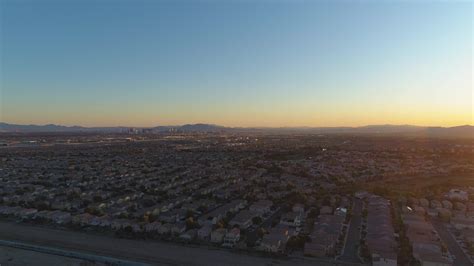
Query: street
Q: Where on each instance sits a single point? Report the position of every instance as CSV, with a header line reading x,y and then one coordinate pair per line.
x,y
351,248
452,244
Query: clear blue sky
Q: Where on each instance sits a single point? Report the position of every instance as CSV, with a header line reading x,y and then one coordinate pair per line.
x,y
242,63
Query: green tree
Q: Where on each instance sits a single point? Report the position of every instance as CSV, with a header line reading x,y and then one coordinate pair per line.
x,y
257,220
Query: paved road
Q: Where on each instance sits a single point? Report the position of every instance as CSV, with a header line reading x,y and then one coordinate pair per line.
x,y
452,244
156,253
69,254
351,249
20,257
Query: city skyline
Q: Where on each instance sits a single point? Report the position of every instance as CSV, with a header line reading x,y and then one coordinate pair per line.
x,y
239,64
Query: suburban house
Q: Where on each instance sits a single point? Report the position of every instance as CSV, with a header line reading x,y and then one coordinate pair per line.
x,y
231,237
380,233
243,219
188,235
324,237
276,240
217,236
204,233
457,194
261,206
291,219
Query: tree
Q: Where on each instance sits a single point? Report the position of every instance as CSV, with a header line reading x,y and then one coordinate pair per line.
x,y
97,198
297,242
257,220
202,208
148,202
364,252
190,223
189,214
313,213
471,248
365,213
326,201
260,232
444,248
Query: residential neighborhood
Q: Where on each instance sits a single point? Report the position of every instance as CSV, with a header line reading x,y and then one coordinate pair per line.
x,y
245,194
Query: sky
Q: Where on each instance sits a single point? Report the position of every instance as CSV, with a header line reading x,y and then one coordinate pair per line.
x,y
236,63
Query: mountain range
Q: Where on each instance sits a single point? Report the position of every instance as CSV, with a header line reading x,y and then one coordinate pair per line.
x,y
466,131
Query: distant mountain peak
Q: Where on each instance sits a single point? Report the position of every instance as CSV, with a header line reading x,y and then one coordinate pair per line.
x,y
463,131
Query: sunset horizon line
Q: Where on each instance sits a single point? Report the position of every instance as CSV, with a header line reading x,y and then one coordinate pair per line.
x,y
236,126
